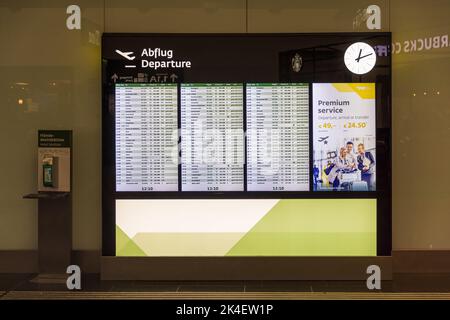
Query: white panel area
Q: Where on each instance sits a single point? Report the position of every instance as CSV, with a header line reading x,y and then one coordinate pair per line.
x,y
215,215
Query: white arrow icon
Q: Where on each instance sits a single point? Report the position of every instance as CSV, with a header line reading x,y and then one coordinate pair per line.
x,y
173,77
126,55
114,77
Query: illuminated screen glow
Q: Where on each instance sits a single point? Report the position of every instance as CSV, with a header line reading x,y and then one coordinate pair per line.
x,y
344,134
246,227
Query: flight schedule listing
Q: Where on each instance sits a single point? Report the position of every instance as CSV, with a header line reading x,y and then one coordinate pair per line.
x,y
212,137
146,123
277,137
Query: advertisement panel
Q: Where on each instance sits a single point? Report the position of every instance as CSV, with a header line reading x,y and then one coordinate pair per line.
x,y
344,133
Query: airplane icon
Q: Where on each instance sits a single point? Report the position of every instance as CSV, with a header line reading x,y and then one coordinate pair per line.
x,y
126,55
324,139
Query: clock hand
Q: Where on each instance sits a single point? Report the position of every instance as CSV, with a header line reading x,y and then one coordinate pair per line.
x,y
359,56
366,56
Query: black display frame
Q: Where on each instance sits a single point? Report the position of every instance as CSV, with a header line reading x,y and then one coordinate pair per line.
x,y
383,138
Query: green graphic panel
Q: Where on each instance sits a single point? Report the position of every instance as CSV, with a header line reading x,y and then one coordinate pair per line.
x,y
291,227
313,227
183,244
125,246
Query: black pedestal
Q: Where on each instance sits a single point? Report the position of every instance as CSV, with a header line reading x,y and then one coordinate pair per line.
x,y
54,231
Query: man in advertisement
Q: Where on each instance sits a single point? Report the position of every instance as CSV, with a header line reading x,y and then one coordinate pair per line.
x,y
350,157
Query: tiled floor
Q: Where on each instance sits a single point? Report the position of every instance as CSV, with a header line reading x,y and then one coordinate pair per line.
x,y
13,285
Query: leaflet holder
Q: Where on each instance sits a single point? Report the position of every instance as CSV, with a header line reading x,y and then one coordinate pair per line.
x,y
54,200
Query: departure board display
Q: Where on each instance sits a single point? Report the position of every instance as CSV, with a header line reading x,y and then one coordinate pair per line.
x,y
212,137
146,137
277,136
225,135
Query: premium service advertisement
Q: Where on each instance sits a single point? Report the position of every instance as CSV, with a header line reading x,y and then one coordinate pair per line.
x,y
344,133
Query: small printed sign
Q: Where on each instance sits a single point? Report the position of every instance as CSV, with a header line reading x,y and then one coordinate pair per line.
x,y
54,160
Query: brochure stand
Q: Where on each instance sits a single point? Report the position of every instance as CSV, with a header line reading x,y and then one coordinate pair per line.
x,y
54,205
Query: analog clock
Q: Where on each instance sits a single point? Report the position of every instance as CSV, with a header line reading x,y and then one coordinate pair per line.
x,y
360,58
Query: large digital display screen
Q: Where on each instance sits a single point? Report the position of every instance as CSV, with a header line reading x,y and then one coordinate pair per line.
x,y
344,134
146,137
214,137
278,137
212,140
270,150
245,145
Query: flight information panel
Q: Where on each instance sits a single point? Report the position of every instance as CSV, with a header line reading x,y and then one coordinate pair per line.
x,y
212,137
277,137
146,137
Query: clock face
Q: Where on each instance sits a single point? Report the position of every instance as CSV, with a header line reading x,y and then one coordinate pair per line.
x,y
360,58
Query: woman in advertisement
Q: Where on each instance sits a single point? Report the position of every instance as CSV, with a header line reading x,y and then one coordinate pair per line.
x,y
340,164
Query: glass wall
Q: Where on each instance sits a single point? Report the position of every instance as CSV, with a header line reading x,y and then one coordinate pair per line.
x,y
50,79
421,124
